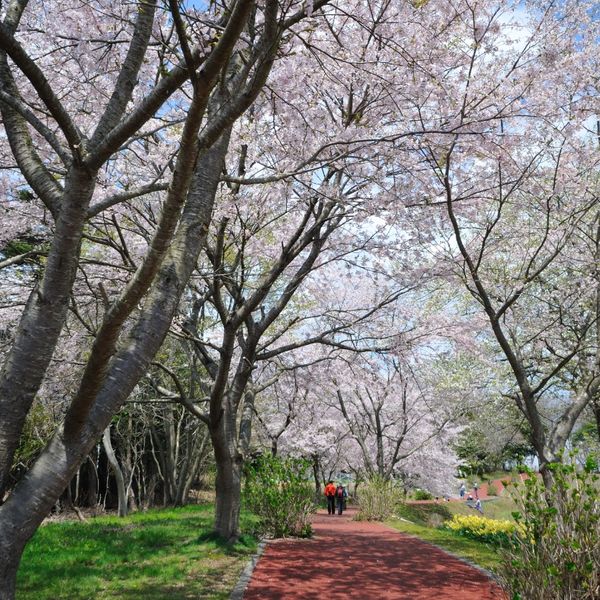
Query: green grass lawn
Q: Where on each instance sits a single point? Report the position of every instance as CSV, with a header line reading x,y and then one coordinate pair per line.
x,y
497,507
151,556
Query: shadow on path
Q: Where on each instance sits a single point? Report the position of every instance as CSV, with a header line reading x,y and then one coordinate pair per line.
x,y
365,561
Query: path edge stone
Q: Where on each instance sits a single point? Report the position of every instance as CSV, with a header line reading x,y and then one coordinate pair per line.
x,y
246,575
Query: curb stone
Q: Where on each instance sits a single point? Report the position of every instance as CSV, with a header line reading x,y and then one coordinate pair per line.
x,y
244,580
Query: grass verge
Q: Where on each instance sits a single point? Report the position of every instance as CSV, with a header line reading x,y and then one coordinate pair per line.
x,y
153,555
419,521
480,554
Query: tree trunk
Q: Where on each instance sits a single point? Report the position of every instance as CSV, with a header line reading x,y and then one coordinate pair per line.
x,y
229,461
228,499
316,469
35,495
11,549
596,411
118,473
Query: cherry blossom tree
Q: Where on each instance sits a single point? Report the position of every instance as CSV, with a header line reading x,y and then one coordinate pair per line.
x,y
507,151
251,289
157,87
261,179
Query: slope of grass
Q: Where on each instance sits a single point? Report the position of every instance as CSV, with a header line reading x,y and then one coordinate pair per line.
x,y
499,507
429,515
154,555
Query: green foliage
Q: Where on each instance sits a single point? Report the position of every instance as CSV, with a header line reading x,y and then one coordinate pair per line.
x,y
378,499
152,555
422,495
587,440
428,515
492,490
25,195
37,431
558,553
479,456
16,248
278,492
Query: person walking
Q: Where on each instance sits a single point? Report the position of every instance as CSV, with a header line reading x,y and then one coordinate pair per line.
x,y
462,490
476,490
330,495
340,497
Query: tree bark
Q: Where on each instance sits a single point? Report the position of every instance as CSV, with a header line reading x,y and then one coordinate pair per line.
x,y
118,473
36,493
9,563
42,321
228,486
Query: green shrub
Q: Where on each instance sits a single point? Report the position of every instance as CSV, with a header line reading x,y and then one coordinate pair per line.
x,y
378,499
423,495
492,490
278,492
557,555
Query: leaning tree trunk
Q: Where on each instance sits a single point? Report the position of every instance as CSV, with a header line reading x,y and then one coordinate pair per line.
x,y
36,493
9,564
118,473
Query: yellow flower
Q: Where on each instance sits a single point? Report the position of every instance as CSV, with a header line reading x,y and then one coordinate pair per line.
x,y
480,526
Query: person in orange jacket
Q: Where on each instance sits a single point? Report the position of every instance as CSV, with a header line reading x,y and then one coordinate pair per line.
x,y
330,495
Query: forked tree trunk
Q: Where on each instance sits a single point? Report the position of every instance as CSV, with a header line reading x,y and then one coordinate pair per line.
x,y
33,497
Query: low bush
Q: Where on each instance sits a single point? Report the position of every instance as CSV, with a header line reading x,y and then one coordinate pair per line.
x,y
557,555
279,493
492,490
378,499
423,495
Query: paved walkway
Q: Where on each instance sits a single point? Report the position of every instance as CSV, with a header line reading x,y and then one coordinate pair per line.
x,y
367,561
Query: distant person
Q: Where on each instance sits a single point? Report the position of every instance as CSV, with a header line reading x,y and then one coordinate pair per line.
x,y
478,506
476,490
462,490
470,501
340,497
330,495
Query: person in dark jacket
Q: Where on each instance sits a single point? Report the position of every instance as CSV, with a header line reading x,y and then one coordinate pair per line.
x,y
340,497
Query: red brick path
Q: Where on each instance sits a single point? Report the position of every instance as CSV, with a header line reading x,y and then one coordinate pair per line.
x,y
366,561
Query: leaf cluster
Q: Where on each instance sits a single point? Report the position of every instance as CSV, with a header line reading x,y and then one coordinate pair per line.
x,y
557,551
278,492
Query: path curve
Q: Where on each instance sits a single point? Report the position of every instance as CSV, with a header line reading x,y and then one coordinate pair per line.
x,y
366,561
